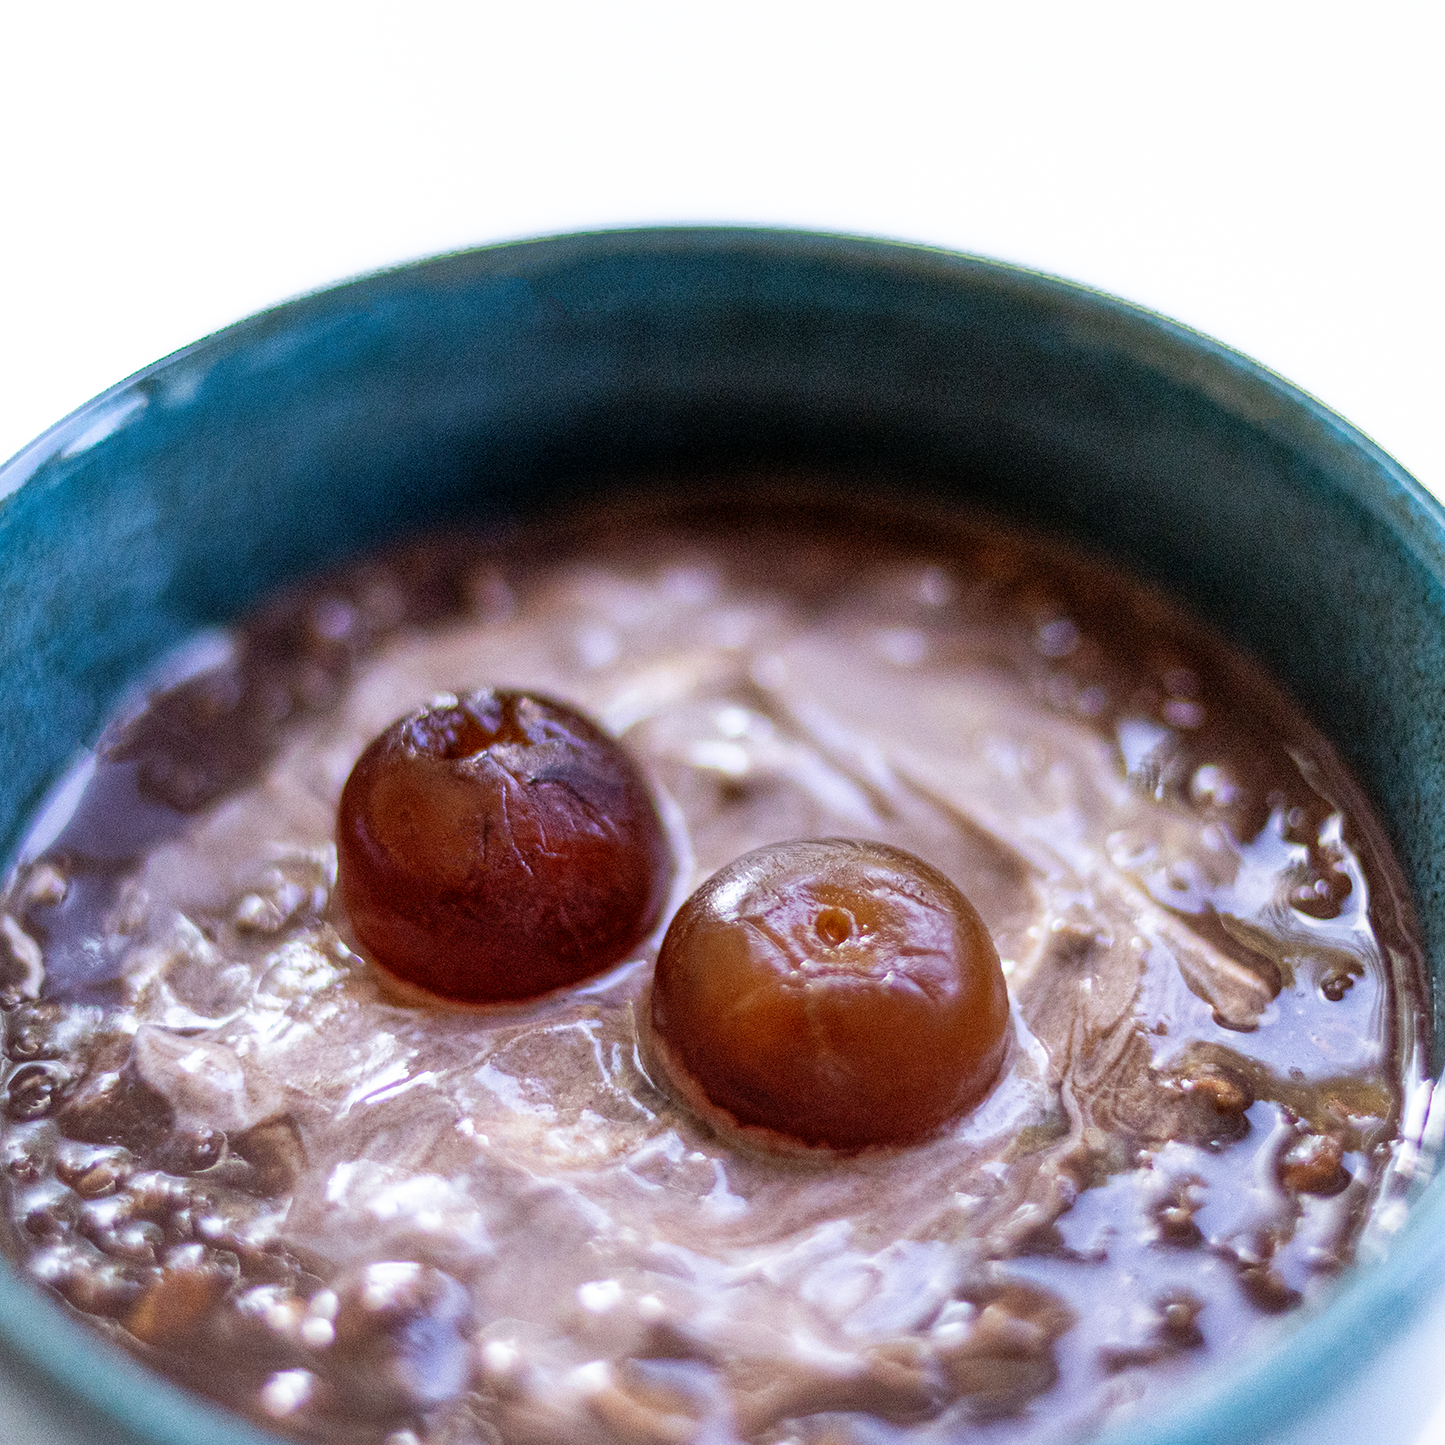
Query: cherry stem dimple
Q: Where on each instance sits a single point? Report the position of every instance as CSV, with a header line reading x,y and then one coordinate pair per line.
x,y
834,926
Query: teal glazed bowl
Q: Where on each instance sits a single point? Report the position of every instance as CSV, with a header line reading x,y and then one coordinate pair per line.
x,y
504,382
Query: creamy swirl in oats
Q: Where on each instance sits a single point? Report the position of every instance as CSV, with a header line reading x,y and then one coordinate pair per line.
x,y
359,1221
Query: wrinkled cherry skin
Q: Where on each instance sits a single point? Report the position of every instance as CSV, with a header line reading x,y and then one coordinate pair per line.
x,y
498,847
840,993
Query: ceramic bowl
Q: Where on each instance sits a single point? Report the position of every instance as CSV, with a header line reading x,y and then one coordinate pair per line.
x,y
510,380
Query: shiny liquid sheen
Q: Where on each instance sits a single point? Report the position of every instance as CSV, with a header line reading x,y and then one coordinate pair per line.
x,y
352,1218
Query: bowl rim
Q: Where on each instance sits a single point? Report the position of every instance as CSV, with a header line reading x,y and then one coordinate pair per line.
x,y
1370,1306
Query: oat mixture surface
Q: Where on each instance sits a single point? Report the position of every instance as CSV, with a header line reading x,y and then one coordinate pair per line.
x,y
358,1221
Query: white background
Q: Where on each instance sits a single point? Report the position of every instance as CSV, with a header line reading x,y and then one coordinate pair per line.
x,y
1268,173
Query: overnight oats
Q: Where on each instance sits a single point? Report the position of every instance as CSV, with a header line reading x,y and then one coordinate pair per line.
x,y
467,1169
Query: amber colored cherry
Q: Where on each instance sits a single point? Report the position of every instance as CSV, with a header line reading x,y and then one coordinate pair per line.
x,y
496,847
837,993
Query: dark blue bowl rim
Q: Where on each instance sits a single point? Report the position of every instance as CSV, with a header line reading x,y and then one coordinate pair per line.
x,y
1236,1400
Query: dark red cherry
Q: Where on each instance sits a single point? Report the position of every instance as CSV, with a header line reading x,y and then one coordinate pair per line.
x,y
835,992
497,847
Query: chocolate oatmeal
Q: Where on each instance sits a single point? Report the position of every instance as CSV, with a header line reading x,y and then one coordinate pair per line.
x,y
232,1149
